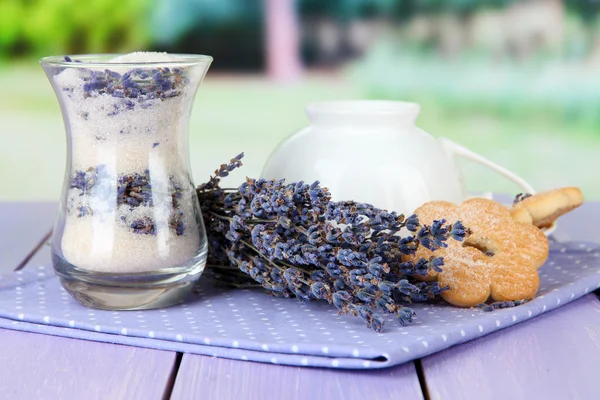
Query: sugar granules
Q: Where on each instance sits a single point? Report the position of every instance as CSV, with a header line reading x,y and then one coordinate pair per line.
x,y
131,204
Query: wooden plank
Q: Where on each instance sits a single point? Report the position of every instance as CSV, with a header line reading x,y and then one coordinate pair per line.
x,y
220,378
553,356
49,367
203,376
41,366
23,227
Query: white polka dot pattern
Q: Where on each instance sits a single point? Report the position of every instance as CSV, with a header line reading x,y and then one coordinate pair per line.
x,y
249,325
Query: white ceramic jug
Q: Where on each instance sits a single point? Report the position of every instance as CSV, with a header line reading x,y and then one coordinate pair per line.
x,y
372,152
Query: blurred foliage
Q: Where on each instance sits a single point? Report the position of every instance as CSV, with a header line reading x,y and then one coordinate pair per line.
x,y
401,10
229,30
396,9
462,5
42,27
588,10
172,19
471,84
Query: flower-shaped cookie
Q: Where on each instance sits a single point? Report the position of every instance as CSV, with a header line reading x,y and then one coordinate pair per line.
x,y
498,260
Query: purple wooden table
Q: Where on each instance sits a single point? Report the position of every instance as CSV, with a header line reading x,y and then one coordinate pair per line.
x,y
553,356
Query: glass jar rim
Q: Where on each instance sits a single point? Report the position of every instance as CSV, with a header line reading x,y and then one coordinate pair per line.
x,y
103,60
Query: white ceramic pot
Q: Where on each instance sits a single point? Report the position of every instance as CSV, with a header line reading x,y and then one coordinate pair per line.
x,y
372,152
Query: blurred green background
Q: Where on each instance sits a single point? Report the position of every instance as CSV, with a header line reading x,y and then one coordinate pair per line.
x,y
515,80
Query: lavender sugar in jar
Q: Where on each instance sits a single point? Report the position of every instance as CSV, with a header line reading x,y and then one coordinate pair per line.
x,y
129,231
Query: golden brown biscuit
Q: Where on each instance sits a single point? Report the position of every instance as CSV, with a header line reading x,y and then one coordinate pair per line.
x,y
544,208
498,260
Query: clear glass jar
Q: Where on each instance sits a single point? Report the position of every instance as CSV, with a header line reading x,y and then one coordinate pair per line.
x,y
129,231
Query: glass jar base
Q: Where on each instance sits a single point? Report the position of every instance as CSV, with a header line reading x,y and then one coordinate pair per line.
x,y
128,291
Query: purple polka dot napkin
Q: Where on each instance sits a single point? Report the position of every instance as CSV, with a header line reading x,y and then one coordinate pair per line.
x,y
251,325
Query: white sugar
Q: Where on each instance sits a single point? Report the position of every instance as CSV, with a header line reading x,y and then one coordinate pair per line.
x,y
128,136
145,56
100,243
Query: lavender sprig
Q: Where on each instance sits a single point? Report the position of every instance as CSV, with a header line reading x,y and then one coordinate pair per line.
x,y
293,241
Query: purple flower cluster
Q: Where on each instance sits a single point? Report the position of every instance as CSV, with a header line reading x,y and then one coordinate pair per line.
x,y
292,240
135,190
132,190
137,87
144,226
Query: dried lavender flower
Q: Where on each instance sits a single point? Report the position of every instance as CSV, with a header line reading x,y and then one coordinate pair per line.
x,y
520,197
132,190
292,240
138,87
501,304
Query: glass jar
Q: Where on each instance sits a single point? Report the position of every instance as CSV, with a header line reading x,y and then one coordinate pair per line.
x,y
129,231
